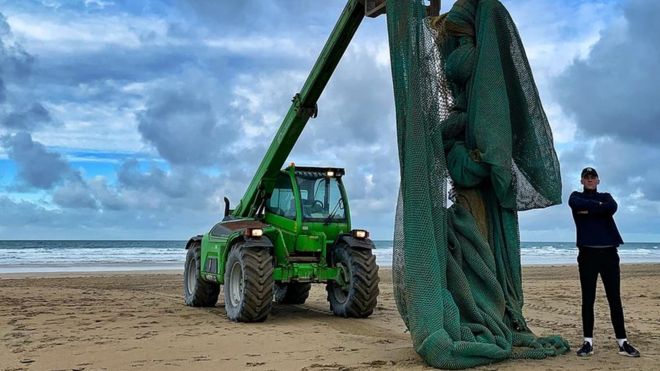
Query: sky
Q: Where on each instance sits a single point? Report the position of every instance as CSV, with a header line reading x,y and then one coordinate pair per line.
x,y
133,119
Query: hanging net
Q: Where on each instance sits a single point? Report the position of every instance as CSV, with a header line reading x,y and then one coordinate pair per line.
x,y
471,130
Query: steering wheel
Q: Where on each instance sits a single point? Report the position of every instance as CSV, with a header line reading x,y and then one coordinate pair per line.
x,y
317,202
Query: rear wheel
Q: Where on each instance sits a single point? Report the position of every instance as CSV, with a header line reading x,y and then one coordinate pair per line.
x,y
248,283
196,291
291,293
355,292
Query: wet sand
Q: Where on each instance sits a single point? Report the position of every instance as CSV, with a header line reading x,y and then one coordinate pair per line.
x,y
137,320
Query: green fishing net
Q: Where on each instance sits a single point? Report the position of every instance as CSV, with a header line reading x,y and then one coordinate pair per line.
x,y
475,147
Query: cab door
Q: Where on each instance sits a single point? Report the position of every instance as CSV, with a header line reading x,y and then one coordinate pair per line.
x,y
282,210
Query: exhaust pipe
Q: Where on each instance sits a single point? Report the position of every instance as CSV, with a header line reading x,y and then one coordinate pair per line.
x,y
226,206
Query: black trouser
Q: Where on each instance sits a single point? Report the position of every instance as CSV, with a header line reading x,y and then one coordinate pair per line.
x,y
591,262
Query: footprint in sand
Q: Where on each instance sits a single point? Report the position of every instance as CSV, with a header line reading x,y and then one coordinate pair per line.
x,y
254,364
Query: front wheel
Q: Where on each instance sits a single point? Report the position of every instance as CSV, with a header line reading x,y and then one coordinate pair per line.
x,y
248,283
355,292
196,291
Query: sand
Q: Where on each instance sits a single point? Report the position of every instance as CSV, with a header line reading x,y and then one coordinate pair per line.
x,y
131,321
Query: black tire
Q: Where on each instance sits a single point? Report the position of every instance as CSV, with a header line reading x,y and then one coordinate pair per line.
x,y
196,291
291,293
248,283
358,299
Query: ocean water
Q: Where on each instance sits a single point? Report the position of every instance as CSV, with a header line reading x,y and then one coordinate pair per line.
x,y
94,256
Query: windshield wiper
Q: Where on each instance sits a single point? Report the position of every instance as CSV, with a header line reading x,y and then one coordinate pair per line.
x,y
334,210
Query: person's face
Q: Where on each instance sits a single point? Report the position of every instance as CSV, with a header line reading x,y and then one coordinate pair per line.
x,y
590,182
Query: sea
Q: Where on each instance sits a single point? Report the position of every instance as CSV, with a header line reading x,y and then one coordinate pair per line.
x,y
21,256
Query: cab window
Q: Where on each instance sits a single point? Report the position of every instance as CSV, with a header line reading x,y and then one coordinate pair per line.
x,y
321,198
281,201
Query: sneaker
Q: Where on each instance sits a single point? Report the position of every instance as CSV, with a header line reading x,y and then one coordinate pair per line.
x,y
628,350
586,350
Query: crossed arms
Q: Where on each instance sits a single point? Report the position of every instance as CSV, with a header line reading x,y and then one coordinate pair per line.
x,y
587,205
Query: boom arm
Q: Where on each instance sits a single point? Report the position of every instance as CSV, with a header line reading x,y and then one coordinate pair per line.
x,y
302,108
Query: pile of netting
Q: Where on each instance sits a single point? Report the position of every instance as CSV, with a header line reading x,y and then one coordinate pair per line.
x,y
471,130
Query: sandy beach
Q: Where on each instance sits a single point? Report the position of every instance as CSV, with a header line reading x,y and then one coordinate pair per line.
x,y
130,321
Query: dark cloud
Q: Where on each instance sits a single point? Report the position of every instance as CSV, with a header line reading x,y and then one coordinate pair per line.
x,y
29,119
129,175
176,184
37,166
3,91
627,168
5,30
18,63
614,92
74,195
15,62
360,101
148,186
183,127
112,63
109,199
22,113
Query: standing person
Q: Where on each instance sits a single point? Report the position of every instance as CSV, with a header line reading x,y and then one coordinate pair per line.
x,y
597,240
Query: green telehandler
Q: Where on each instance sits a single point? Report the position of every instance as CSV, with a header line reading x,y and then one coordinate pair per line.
x,y
292,227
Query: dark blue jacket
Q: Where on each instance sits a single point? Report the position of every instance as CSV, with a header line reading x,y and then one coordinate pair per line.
x,y
594,224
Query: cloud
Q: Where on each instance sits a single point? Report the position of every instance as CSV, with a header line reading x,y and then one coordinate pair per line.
x,y
18,214
175,184
75,195
183,126
37,166
3,91
15,62
614,92
629,168
28,119
263,17
359,102
21,111
149,186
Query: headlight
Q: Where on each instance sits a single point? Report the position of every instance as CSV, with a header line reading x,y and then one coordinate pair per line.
x,y
254,232
360,233
330,174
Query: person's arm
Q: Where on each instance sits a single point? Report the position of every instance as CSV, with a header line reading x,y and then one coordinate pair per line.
x,y
608,206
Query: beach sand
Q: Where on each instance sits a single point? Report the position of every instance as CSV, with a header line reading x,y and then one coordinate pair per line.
x,y
131,321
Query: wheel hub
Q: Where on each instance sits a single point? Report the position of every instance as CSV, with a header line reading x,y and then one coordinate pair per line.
x,y
236,284
344,277
191,277
343,282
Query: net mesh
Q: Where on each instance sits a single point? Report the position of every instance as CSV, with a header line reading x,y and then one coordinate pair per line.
x,y
471,129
